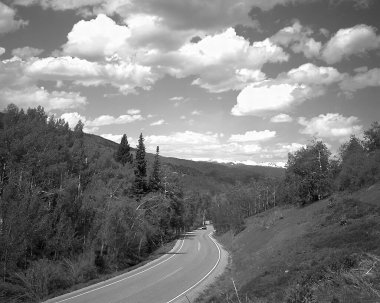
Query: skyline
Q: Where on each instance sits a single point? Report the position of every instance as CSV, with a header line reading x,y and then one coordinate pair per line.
x,y
231,81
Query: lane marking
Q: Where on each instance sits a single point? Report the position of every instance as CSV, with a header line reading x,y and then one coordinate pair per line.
x,y
118,281
201,280
199,245
167,276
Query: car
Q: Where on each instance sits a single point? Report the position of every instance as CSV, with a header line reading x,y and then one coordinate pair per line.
x,y
204,227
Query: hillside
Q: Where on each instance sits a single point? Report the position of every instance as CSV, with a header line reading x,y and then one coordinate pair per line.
x,y
199,174
325,252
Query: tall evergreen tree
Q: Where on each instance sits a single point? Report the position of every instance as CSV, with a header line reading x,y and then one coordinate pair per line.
x,y
123,154
155,179
140,184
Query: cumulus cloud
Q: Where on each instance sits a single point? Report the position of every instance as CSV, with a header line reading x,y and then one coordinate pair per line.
x,y
331,125
74,117
251,136
281,118
2,51
310,74
298,39
27,52
96,38
8,22
350,41
364,78
269,96
126,76
224,61
34,96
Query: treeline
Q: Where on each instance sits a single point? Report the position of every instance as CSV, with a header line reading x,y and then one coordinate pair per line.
x,y
311,174
70,211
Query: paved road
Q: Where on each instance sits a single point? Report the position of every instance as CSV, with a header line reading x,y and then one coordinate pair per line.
x,y
165,280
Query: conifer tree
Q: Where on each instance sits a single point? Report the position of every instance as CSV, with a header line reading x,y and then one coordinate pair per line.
x,y
140,184
155,180
123,154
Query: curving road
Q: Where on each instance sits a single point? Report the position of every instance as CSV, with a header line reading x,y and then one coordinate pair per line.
x,y
168,279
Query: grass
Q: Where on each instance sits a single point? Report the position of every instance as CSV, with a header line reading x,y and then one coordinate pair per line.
x,y
325,252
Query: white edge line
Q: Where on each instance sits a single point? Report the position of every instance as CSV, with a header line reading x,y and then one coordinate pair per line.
x,y
118,281
216,264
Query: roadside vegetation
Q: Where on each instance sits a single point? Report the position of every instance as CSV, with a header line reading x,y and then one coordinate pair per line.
x,y
77,208
312,237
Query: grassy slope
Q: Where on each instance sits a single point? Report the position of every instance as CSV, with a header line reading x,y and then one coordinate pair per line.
x,y
325,252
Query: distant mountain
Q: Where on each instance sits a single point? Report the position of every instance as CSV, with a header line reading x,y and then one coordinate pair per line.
x,y
199,174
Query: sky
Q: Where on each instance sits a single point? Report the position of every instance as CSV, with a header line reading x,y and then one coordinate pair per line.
x,y
243,81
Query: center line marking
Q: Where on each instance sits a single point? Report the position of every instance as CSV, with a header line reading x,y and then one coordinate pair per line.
x,y
199,245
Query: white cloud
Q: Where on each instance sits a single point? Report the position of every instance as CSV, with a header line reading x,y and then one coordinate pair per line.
x,y
159,122
73,118
289,148
269,96
34,96
281,118
350,41
196,113
224,61
115,138
364,78
110,120
97,38
2,51
126,76
8,23
177,98
133,111
331,125
252,136
308,73
299,39
26,52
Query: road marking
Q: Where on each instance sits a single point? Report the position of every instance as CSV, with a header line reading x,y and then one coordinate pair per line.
x,y
199,245
118,281
201,280
167,276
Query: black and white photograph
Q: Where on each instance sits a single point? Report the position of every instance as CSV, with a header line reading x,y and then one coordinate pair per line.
x,y
190,151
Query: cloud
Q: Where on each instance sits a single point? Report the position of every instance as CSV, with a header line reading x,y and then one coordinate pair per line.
x,y
97,38
74,117
269,96
363,78
8,23
177,98
34,96
27,52
350,41
310,74
126,76
2,51
112,137
252,136
331,125
133,111
298,39
281,118
159,122
223,61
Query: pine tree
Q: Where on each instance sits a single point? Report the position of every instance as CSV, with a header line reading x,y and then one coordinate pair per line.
x,y
123,154
155,180
140,184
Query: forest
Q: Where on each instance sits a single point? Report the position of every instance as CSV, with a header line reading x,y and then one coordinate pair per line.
x,y
75,207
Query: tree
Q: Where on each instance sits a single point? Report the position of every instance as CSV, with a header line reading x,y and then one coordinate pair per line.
x,y
310,168
372,137
123,154
140,184
155,178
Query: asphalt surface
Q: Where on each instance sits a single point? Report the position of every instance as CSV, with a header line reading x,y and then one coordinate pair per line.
x,y
166,280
